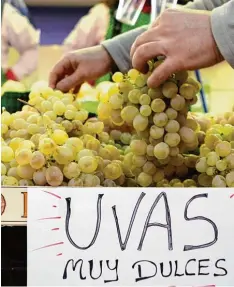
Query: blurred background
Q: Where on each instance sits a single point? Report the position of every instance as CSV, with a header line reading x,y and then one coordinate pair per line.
x,y
56,19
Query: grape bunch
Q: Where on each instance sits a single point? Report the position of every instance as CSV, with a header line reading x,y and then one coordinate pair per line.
x,y
161,129
141,137
216,161
52,142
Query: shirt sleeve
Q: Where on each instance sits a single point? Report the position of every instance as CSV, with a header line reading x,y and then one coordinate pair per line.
x,y
22,36
205,4
222,24
120,46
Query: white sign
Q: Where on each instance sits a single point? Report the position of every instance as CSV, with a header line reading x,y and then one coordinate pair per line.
x,y
130,236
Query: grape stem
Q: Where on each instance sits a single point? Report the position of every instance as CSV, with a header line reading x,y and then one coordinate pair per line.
x,y
26,103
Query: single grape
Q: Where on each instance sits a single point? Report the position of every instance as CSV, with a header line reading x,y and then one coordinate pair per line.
x,y
158,105
194,83
144,99
109,183
67,126
169,89
155,93
140,122
63,154
37,160
88,164
187,135
112,171
211,141
189,183
10,181
160,119
145,110
177,103
205,180
91,180
93,144
172,139
144,179
219,181
71,170
134,96
59,108
116,101
158,176
125,138
39,177
201,165
138,147
211,158
172,126
223,148
230,161
174,151
141,80
128,114
171,114
187,91
161,150
70,114
47,146
75,182
133,74
221,165
7,154
54,176
3,169
230,179
117,77
25,171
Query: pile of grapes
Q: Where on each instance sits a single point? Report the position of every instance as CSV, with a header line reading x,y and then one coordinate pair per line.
x,y
141,137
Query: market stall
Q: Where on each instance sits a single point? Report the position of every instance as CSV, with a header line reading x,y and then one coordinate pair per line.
x,y
120,134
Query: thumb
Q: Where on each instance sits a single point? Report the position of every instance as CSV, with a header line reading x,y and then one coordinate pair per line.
x,y
70,81
161,73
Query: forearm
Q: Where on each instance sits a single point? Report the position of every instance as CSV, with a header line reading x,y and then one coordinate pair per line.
x,y
222,24
27,63
120,46
205,4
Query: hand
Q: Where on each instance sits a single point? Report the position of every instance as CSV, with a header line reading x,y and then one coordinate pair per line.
x,y
184,37
80,66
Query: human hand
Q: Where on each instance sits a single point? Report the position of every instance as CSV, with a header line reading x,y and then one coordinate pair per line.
x,y
80,66
184,37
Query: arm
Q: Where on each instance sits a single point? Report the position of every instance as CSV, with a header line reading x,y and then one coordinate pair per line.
x,y
119,47
205,4
222,24
90,30
24,38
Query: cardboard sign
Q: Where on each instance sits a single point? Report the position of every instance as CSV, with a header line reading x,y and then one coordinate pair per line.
x,y
13,206
124,236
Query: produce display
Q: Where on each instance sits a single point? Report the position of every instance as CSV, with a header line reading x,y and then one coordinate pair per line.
x,y
141,137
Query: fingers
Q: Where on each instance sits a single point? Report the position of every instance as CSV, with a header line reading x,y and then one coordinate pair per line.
x,y
148,36
144,53
57,73
161,73
70,82
76,89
